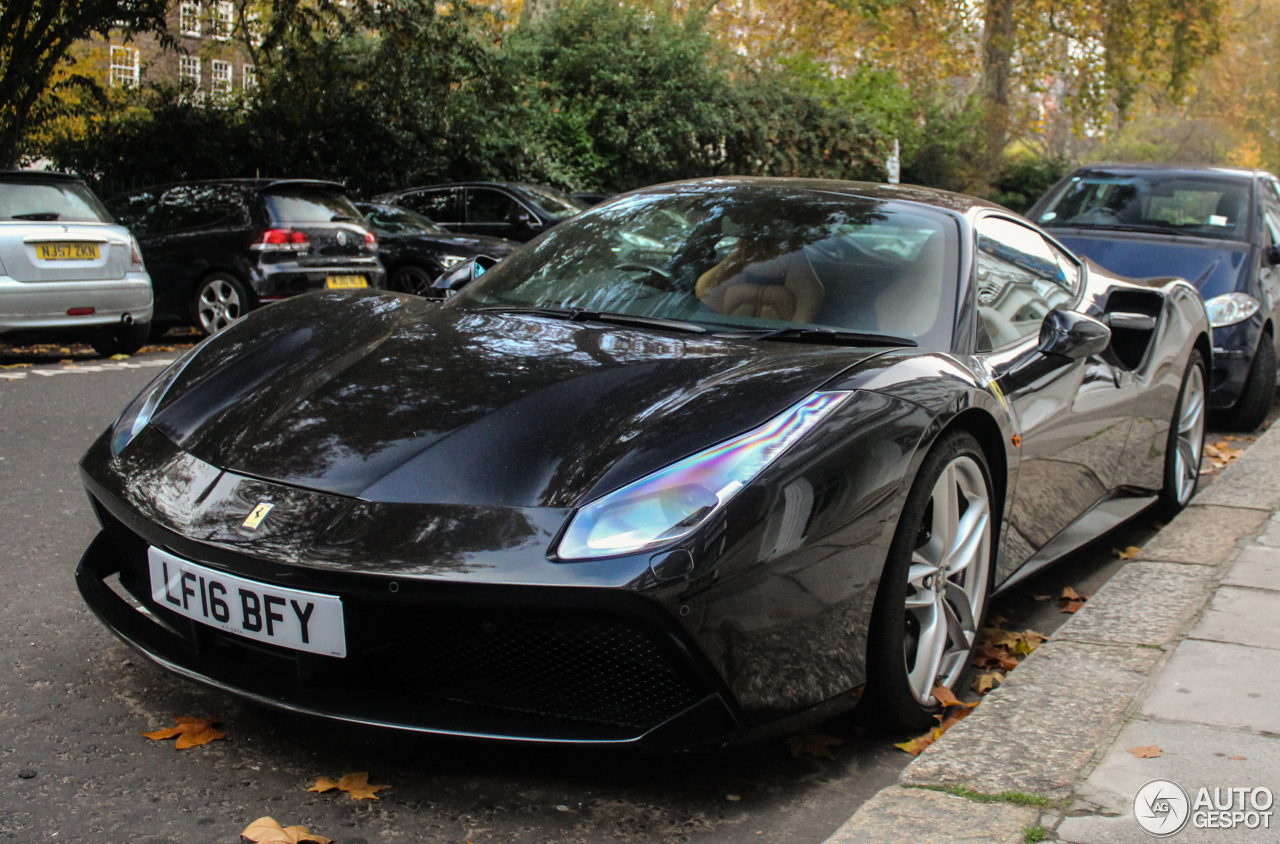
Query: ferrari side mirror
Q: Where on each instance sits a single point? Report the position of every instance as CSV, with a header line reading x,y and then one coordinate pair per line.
x,y
1073,335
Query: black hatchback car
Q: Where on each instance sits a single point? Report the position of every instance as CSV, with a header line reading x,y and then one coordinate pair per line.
x,y
218,249
1217,227
415,251
499,209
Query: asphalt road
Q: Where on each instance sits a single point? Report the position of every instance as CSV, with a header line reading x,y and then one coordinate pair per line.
x,y
74,768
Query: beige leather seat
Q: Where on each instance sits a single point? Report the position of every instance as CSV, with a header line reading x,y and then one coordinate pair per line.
x,y
784,287
910,305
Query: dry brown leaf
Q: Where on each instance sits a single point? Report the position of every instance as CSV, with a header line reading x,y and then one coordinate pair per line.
x,y
957,715
1069,601
357,785
1149,751
1028,641
917,745
269,831
1237,758
813,743
323,784
987,682
992,657
191,732
1042,598
1127,554
946,697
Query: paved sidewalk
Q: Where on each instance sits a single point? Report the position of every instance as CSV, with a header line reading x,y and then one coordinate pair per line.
x,y
1181,650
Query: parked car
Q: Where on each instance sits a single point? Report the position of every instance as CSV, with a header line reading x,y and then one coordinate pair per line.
x,y
67,271
1218,227
666,498
590,198
499,209
217,249
415,251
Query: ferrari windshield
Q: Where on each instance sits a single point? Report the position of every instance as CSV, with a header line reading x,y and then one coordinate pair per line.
x,y
733,258
1209,205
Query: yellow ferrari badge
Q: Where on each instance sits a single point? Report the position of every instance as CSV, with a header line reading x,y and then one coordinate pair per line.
x,y
259,513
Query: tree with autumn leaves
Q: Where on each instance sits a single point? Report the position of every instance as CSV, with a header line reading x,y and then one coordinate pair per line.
x,y
610,94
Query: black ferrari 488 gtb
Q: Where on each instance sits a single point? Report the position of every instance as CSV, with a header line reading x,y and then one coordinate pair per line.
x,y
716,459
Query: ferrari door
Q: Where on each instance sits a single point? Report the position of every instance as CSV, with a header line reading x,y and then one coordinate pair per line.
x,y
1073,416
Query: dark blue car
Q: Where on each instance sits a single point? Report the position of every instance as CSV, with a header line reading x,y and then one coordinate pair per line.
x,y
1217,227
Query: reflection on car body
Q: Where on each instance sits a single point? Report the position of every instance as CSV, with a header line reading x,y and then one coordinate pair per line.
x,y
671,492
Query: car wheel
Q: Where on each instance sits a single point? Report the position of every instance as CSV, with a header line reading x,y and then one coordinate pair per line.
x,y
125,341
220,300
412,279
1185,448
1259,389
933,592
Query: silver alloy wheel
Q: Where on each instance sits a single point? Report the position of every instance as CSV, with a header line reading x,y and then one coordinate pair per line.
x,y
219,305
947,580
1189,443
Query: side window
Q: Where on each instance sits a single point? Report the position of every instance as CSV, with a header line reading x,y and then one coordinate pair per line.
x,y
1271,213
437,205
135,212
194,206
485,205
1020,279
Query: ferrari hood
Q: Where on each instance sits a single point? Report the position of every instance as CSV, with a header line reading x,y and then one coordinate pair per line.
x,y
397,399
1213,266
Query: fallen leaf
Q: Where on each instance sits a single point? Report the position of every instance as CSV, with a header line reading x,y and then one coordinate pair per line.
x,y
1069,601
992,657
1042,598
733,798
947,698
957,715
1127,554
997,620
813,743
1237,758
987,682
1027,641
119,357
357,785
191,732
1149,751
268,831
323,784
917,745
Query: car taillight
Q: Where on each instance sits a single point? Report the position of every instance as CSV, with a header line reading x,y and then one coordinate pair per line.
x,y
135,254
281,240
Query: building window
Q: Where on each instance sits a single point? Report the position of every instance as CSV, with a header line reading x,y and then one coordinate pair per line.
x,y
189,19
189,71
124,67
223,20
220,83
248,77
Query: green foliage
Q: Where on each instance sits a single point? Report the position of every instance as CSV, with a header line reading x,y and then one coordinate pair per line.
x,y
1034,834
1017,798
1025,179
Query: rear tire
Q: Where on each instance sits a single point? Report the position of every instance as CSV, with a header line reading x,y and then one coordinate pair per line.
x,y
220,300
124,341
1259,390
1184,449
933,592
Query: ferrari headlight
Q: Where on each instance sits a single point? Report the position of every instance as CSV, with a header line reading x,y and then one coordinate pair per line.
x,y
138,413
672,502
1230,308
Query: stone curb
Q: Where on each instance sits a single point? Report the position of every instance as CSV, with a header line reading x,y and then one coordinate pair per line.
x,y
1042,730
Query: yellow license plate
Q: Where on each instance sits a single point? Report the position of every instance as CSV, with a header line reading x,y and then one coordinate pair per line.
x,y
67,251
345,282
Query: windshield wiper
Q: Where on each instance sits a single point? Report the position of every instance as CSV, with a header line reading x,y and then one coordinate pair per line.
x,y
587,315
38,216
832,337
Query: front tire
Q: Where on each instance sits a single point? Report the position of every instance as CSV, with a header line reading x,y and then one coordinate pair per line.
x,y
221,299
933,592
1185,447
1259,389
412,279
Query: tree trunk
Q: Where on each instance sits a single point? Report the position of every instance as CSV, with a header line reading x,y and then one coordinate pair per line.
x,y
997,61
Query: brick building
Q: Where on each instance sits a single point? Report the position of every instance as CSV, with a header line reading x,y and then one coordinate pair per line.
x,y
211,57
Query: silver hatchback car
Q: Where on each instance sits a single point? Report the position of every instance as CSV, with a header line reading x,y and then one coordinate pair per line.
x,y
67,270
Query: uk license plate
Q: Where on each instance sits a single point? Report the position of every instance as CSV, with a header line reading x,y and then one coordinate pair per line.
x,y
290,618
64,250
345,282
